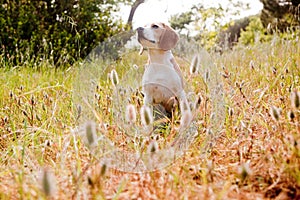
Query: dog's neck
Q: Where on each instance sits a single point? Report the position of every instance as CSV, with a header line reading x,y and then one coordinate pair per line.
x,y
160,56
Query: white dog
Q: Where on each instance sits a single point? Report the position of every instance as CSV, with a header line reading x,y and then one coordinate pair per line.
x,y
162,82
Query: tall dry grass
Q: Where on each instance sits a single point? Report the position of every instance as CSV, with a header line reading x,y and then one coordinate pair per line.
x,y
257,154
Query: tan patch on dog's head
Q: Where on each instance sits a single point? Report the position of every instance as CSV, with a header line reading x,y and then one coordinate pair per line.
x,y
157,35
168,38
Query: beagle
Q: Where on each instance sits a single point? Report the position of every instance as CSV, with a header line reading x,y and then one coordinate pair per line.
x,y
162,81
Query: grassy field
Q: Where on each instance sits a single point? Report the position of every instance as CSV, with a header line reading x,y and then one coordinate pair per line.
x,y
257,155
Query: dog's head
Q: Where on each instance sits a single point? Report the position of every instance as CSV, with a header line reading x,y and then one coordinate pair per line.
x,y
158,36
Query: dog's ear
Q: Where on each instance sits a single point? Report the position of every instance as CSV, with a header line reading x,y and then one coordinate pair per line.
x,y
141,50
168,38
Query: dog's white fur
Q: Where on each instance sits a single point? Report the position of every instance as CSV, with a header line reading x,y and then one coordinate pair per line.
x,y
162,81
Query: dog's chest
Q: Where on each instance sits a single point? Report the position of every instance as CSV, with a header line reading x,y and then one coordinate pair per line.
x,y
161,81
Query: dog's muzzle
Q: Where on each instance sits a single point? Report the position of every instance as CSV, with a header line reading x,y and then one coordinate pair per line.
x,y
140,31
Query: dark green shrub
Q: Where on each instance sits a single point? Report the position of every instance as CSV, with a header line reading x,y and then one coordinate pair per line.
x,y
280,15
59,30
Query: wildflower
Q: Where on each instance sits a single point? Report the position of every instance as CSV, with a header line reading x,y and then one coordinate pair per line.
x,y
295,99
146,116
194,65
114,77
275,113
130,114
48,183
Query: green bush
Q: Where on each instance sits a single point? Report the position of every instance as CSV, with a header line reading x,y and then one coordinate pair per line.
x,y
254,32
59,30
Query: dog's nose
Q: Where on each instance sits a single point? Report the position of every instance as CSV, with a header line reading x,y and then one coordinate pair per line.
x,y
140,29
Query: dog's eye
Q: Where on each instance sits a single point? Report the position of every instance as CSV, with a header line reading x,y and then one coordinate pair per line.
x,y
154,26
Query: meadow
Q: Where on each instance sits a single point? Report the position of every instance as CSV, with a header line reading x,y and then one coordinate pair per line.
x,y
256,156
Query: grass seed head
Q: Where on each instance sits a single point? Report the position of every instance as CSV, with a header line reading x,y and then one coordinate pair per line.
x,y
207,76
103,169
291,115
79,111
274,70
48,183
90,133
198,101
135,66
184,106
286,70
5,120
146,116
295,99
185,119
153,147
114,77
244,171
194,64
251,65
275,113
130,113
32,101
230,112
11,94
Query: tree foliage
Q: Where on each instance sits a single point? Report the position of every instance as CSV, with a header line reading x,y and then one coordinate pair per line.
x,y
180,21
208,21
63,30
254,32
228,37
280,14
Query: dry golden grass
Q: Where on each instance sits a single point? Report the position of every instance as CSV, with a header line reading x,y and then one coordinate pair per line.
x,y
257,155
